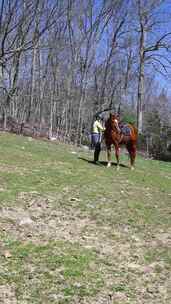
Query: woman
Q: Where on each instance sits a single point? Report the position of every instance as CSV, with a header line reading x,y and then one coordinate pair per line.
x,y
97,137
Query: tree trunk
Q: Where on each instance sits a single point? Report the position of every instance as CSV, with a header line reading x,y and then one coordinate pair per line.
x,y
141,81
33,71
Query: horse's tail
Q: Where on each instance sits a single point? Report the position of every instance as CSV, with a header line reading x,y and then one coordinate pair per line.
x,y
134,132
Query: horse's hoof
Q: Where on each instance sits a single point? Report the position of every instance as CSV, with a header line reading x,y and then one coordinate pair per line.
x,y
108,165
132,168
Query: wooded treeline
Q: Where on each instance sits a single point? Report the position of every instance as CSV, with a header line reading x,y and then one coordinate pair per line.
x,y
62,61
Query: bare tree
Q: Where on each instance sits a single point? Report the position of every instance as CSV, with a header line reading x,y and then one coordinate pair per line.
x,y
18,20
149,20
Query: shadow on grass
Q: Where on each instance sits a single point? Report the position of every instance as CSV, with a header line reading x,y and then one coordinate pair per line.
x,y
102,163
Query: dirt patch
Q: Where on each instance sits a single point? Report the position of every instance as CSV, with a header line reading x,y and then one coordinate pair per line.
x,y
12,169
7,294
128,278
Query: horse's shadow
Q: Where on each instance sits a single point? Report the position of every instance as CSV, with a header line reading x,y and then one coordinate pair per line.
x,y
101,163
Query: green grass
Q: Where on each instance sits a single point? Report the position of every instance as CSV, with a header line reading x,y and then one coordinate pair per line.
x,y
95,235
57,267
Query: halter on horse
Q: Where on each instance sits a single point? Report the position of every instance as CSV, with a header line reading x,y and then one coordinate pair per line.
x,y
114,136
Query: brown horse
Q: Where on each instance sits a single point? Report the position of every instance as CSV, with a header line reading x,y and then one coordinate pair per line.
x,y
114,136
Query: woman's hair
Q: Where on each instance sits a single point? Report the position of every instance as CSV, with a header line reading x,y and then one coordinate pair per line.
x,y
99,117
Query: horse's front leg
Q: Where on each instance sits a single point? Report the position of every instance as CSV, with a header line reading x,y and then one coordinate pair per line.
x,y
117,156
108,156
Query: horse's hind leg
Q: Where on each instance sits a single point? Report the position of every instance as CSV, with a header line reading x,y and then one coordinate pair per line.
x,y
133,156
132,153
109,156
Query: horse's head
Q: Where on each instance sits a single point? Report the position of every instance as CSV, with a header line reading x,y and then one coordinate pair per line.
x,y
113,121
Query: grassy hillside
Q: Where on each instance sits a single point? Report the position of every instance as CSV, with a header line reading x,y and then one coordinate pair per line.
x,y
75,232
